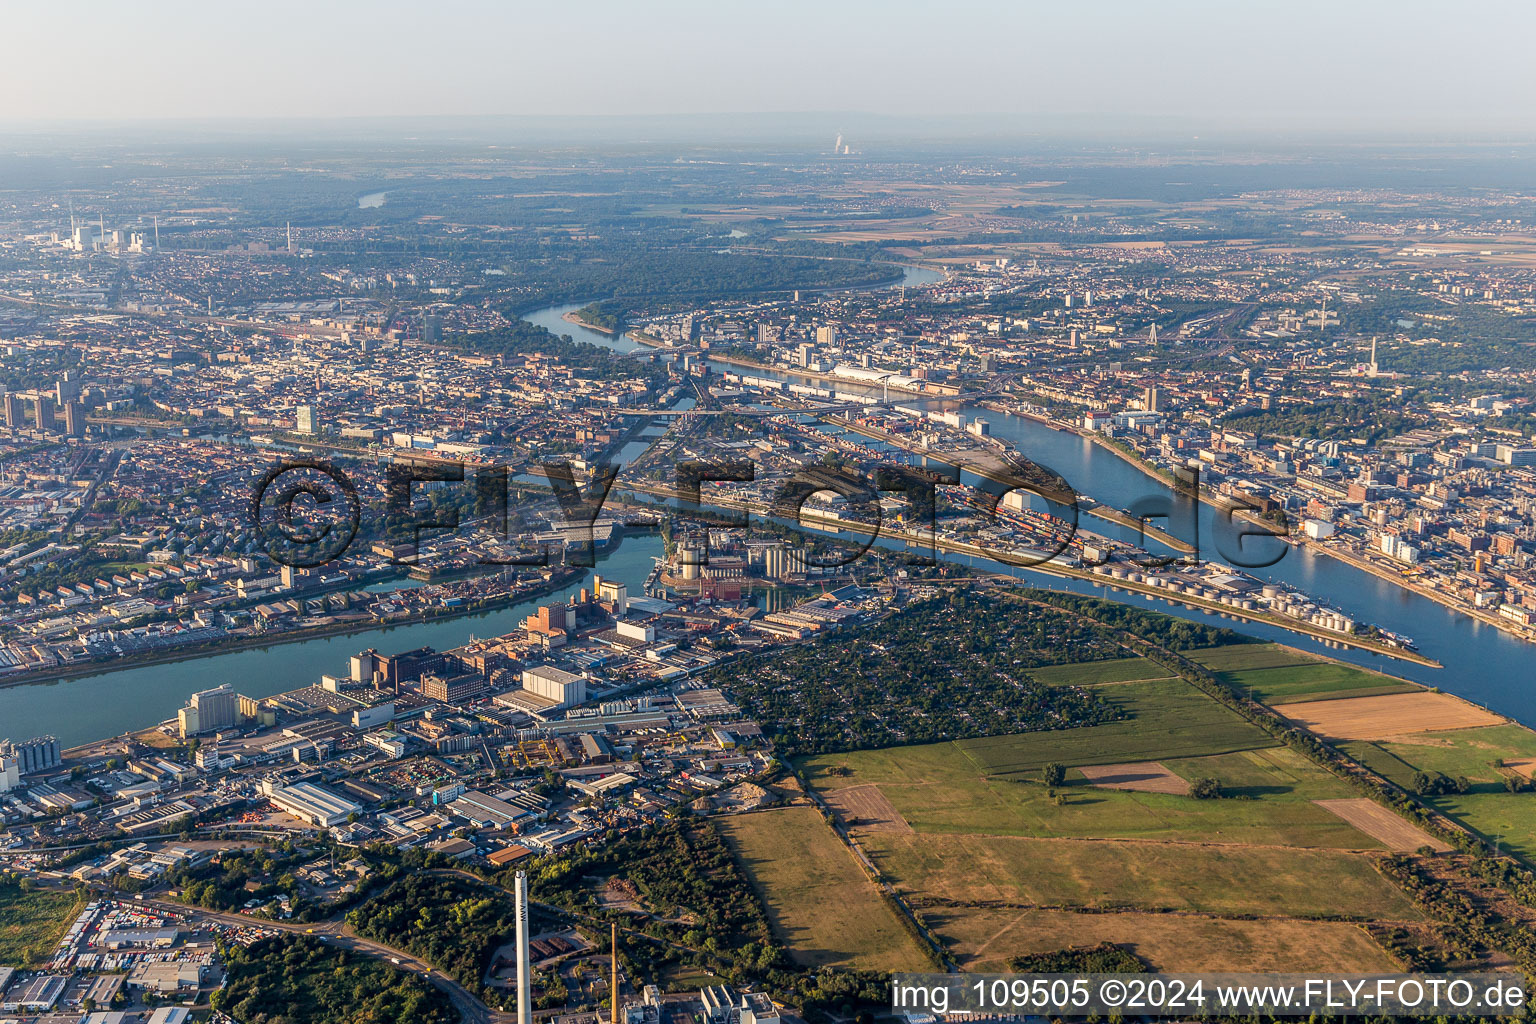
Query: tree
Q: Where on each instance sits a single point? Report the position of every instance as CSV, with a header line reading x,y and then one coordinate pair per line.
x,y
1205,788
1054,774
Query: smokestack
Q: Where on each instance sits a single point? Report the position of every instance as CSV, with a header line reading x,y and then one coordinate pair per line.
x,y
524,970
613,990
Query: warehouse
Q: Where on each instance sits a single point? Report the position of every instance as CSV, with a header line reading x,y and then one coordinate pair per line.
x,y
566,689
310,803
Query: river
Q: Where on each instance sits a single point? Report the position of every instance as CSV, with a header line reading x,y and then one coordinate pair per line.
x,y
94,707
1481,663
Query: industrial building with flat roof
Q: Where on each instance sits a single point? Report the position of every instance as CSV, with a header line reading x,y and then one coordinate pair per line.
x,y
310,803
566,689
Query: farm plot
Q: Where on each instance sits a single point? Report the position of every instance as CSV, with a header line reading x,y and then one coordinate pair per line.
x,y
1376,718
1140,776
1382,825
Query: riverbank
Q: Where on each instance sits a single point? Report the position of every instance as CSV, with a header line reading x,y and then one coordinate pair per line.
x,y
1052,568
574,317
242,643
1222,505
1383,573
824,378
1103,512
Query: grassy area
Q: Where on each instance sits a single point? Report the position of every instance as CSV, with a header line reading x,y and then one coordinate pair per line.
x,y
1165,718
1090,673
1225,880
685,978
1237,657
1276,674
982,940
1291,683
1487,808
32,922
937,789
821,903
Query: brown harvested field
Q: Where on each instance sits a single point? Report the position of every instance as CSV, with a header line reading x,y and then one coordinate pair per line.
x,y
865,807
1523,766
821,904
1141,776
1387,715
1382,825
982,940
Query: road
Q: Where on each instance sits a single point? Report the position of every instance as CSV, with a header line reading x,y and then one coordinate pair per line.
x,y
336,933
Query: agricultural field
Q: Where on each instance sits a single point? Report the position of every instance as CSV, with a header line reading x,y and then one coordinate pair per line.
x,y
937,788
1241,657
984,939
1486,758
1105,875
1001,865
1379,718
1164,718
31,923
1140,777
1276,674
821,903
1092,673
1391,830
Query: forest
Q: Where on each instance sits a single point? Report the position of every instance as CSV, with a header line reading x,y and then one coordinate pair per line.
x,y
288,980
1373,419
453,923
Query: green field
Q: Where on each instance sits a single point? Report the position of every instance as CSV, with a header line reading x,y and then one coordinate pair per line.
x,y
1279,675
937,789
1165,718
1487,808
1292,683
1149,876
1237,657
821,903
1090,673
31,924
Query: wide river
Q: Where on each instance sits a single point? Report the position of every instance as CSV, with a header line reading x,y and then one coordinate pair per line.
x,y
1481,663
94,707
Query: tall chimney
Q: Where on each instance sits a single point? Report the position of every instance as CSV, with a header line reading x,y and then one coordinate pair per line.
x,y
613,990
524,969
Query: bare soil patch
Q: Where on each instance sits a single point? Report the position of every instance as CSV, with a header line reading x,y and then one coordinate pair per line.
x,y
1382,825
867,808
1141,776
1387,715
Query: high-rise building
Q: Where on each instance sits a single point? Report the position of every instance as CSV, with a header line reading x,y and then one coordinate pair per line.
x,y
10,773
364,665
566,689
210,711
38,754
42,411
74,419
306,420
1152,399
826,336
66,389
15,412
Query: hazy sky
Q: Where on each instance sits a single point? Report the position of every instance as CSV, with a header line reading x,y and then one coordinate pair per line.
x,y
1388,65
